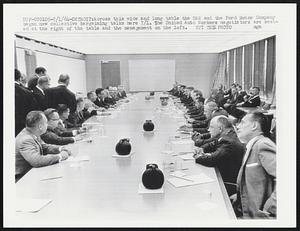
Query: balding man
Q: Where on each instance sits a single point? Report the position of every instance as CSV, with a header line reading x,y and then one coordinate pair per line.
x,y
61,94
39,92
31,151
225,151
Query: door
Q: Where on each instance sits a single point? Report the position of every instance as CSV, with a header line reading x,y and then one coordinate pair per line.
x,y
110,73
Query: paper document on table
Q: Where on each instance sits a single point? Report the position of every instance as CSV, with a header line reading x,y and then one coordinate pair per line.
x,y
189,156
178,174
78,158
143,190
190,180
31,205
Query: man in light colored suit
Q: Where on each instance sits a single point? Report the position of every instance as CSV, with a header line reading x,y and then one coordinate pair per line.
x,y
31,151
256,181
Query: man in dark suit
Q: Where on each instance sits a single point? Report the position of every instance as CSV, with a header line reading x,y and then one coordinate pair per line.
x,y
241,94
24,102
39,93
225,152
100,101
253,100
52,135
32,82
61,94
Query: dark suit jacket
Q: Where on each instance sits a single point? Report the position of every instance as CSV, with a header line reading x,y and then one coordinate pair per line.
x,y
41,99
61,131
61,95
240,97
32,82
24,103
226,153
77,118
51,137
252,102
101,103
110,101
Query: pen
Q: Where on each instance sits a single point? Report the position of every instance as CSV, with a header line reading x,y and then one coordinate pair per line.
x,y
52,178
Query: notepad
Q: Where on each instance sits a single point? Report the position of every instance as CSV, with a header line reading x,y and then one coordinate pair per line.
x,y
78,158
143,190
178,174
122,156
31,205
188,156
190,180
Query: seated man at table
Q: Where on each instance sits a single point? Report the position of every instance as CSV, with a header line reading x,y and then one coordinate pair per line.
x,y
100,101
201,124
256,181
253,100
77,118
52,135
91,98
31,151
203,136
225,152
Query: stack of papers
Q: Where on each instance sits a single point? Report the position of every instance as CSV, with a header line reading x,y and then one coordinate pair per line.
x,y
31,205
181,181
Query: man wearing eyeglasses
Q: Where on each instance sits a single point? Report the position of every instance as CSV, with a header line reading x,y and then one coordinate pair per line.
x,y
52,135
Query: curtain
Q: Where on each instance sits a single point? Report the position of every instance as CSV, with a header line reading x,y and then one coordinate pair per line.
x,y
30,62
270,72
220,74
259,54
248,66
231,68
238,65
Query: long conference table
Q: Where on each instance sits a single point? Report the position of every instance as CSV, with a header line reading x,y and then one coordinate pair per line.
x,y
104,191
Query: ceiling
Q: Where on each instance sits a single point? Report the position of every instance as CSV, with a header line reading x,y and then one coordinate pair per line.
x,y
147,43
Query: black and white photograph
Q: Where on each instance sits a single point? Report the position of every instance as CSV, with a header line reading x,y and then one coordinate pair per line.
x,y
149,115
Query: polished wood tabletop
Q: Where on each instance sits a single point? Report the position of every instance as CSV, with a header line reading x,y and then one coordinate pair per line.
x,y
103,191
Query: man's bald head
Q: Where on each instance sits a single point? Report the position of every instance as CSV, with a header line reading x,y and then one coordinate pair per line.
x,y
218,125
64,79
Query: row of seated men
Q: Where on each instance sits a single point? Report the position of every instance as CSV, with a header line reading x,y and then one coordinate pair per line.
x,y
37,95
243,152
47,127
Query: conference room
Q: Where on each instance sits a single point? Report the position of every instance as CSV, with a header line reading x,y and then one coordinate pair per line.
x,y
136,129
